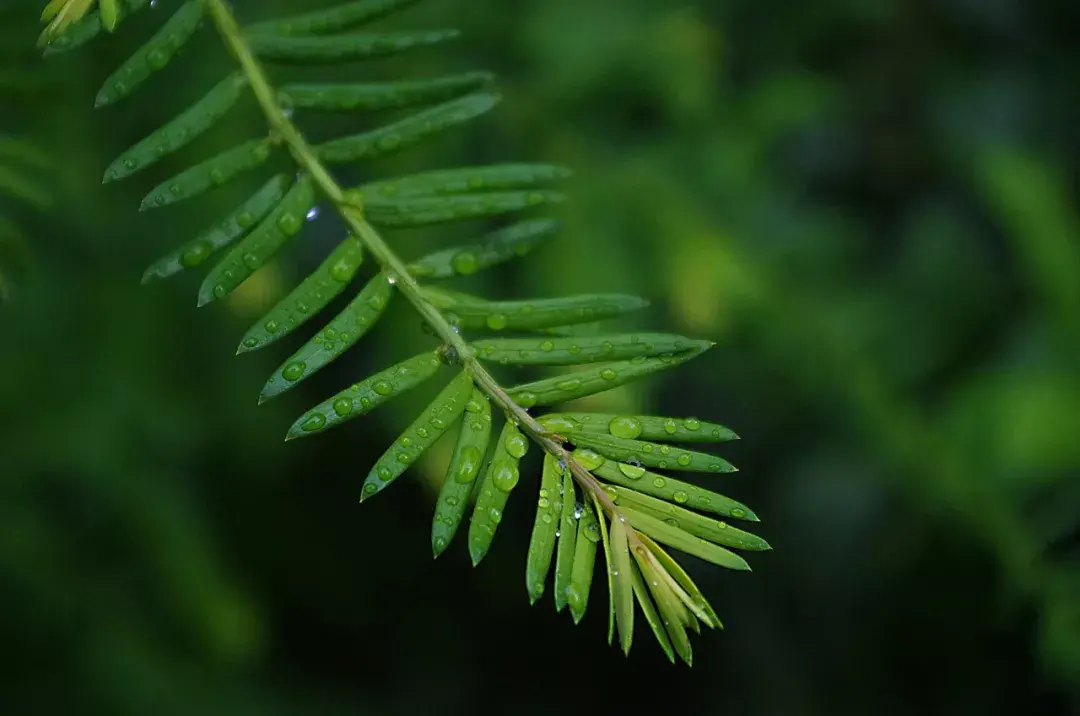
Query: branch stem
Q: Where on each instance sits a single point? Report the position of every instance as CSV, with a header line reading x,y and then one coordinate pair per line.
x,y
351,211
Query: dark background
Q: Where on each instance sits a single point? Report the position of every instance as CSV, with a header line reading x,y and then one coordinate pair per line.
x,y
869,204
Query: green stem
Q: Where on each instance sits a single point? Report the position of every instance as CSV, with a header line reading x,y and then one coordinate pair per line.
x,y
350,210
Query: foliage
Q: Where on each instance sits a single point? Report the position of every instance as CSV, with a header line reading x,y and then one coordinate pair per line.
x,y
595,487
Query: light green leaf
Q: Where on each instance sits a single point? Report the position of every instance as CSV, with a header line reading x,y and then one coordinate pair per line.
x,y
443,412
644,427
262,244
588,534
683,493
347,97
698,525
649,454
312,295
473,313
684,541
571,386
656,622
472,444
428,211
672,613
340,17
567,534
222,234
605,539
213,172
365,396
83,31
622,583
674,570
511,242
577,351
181,130
154,55
343,48
500,479
408,131
339,335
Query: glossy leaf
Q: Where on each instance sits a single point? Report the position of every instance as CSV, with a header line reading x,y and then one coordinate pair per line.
x,y
468,458
571,386
333,19
313,294
581,575
262,244
440,415
656,622
545,529
633,427
342,48
206,175
83,31
683,541
511,242
408,131
428,211
466,180
347,97
672,569
567,533
622,583
180,131
110,13
577,351
500,479
472,313
663,487
649,454
155,55
605,539
222,234
365,396
713,530
339,335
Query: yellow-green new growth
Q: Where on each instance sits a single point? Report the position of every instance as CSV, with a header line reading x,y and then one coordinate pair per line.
x,y
594,487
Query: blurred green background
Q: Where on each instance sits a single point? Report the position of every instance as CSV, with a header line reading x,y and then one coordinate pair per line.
x,y
869,204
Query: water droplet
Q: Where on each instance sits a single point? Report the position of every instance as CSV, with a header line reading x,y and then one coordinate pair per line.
x,y
288,224
631,471
625,426
670,426
738,513
547,346
313,213
195,255
439,543
684,460
526,399
343,271
543,503
592,531
681,497
272,327
495,515
579,510
468,464
245,219
251,342
517,446
315,422
588,459
294,371
665,450
406,442
383,388
692,424
560,424
343,406
659,482
370,489
505,478
497,321
647,448
568,385
608,374
546,518
465,263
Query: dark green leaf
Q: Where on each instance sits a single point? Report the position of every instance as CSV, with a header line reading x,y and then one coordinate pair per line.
x,y
339,335
154,55
588,534
567,534
443,412
472,444
213,172
470,312
262,244
79,33
500,479
466,180
177,133
333,19
513,241
645,427
365,396
622,583
426,211
407,132
341,48
578,351
222,234
545,529
605,539
309,298
580,384
346,97
649,454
